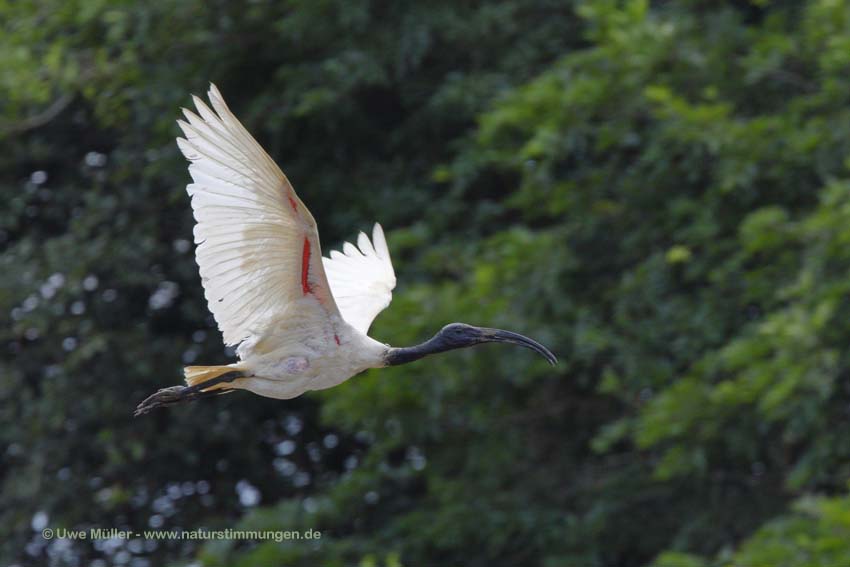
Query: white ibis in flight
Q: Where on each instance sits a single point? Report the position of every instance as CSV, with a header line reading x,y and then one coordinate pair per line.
x,y
298,320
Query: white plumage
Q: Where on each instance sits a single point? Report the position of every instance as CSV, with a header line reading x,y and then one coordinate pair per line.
x,y
260,261
299,321
362,279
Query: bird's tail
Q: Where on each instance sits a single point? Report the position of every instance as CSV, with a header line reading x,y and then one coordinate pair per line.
x,y
202,382
197,375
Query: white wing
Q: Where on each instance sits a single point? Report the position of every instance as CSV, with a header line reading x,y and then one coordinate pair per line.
x,y
257,245
362,280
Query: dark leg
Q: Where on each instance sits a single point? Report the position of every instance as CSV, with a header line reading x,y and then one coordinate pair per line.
x,y
180,394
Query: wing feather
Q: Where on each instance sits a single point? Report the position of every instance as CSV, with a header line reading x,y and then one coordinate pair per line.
x,y
251,226
362,278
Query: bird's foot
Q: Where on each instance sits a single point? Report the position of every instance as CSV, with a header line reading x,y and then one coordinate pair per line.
x,y
162,398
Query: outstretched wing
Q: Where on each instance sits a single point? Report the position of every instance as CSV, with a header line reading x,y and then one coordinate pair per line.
x,y
362,280
257,244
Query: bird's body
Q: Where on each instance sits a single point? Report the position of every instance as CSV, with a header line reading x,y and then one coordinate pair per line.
x,y
285,366
298,320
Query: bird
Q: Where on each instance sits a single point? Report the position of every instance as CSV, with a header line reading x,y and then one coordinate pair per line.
x,y
298,320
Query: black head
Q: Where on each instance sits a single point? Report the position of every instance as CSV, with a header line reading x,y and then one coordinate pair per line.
x,y
459,335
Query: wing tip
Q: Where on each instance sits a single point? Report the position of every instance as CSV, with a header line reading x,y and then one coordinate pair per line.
x,y
189,115
217,101
379,242
364,244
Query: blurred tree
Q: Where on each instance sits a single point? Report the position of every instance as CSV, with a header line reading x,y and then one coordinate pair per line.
x,y
684,174
101,300
816,533
658,192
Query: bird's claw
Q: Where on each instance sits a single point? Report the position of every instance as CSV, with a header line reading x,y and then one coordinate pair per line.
x,y
163,397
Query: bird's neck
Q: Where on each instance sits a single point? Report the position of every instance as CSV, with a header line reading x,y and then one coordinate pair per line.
x,y
402,355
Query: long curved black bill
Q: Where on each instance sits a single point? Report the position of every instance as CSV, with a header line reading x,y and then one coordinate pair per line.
x,y
500,336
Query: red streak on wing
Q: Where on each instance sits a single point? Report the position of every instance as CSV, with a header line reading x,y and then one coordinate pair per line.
x,y
336,338
305,267
292,203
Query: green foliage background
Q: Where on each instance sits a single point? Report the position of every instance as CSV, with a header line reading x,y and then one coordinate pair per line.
x,y
659,191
